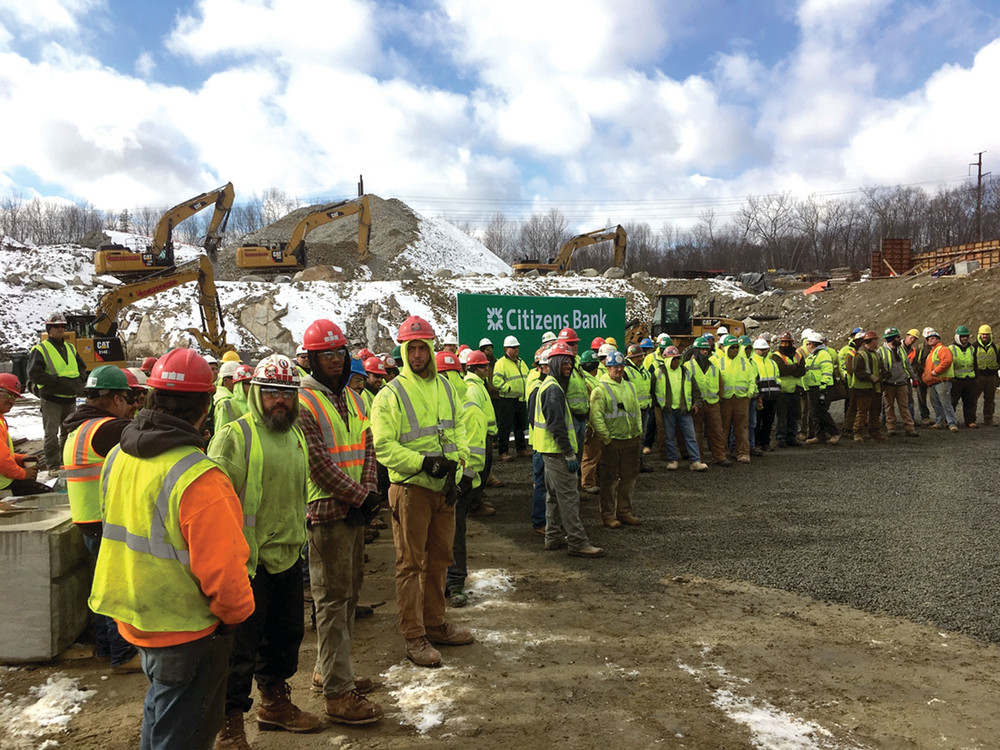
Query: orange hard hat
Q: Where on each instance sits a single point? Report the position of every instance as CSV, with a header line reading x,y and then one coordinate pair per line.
x,y
447,361
182,370
415,327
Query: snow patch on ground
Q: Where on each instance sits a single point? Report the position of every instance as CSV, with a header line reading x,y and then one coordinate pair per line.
x,y
728,288
24,420
47,710
424,696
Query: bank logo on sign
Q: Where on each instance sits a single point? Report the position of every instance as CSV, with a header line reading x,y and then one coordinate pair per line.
x,y
494,318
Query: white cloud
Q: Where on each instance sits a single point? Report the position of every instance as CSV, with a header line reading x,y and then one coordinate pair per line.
x,y
40,17
145,65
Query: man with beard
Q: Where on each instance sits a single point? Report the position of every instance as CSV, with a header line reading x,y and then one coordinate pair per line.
x,y
343,498
264,455
708,419
791,369
819,380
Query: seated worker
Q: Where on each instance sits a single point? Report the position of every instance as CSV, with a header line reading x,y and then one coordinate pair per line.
x,y
15,478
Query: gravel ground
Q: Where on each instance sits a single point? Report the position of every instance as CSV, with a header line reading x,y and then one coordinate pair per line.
x,y
906,527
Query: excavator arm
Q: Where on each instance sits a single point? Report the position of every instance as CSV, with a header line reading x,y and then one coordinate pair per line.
x,y
561,262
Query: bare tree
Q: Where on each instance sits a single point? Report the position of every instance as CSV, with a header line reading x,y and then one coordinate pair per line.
x,y
501,237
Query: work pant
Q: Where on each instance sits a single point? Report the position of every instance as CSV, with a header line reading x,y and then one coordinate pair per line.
x,y
562,504
619,468
765,422
674,422
940,397
53,414
804,408
580,428
987,386
538,491
591,458
423,530
185,703
735,415
336,572
708,426
964,390
109,641
893,396
868,405
25,487
850,411
923,391
458,570
820,421
649,428
266,644
751,422
512,415
789,413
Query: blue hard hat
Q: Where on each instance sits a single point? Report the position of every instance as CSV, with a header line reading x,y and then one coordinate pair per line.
x,y
614,358
358,367
646,343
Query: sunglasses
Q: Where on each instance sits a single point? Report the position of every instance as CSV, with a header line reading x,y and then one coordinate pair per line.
x,y
284,393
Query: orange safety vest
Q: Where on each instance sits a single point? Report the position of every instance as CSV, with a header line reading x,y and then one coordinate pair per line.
x,y
83,473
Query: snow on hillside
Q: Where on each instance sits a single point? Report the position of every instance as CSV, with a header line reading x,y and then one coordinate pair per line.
x,y
442,245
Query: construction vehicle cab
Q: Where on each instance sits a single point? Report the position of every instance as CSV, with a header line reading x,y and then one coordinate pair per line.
x,y
291,256
674,315
124,262
560,264
94,348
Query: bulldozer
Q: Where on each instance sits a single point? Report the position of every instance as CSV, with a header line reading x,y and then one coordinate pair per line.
x,y
125,263
674,315
291,256
560,264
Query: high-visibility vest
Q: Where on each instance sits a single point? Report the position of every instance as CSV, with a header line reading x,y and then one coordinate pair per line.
x,y
620,411
986,356
707,380
509,377
819,369
143,553
541,439
936,362
476,391
642,380
788,383
344,442
476,435
578,393
886,354
963,361
872,366
739,377
455,378
678,381
82,468
54,362
5,481
768,377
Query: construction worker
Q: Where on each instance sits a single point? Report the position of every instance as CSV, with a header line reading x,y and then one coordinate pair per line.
x,y
578,393
922,350
374,380
963,384
302,361
677,392
739,386
987,362
56,374
591,453
912,343
846,371
938,372
222,410
213,363
17,470
509,376
172,568
477,369
450,344
147,365
420,439
553,436
264,454
537,463
768,392
654,428
866,388
94,429
817,381
343,498
705,375
897,375
356,381
617,422
641,379
791,369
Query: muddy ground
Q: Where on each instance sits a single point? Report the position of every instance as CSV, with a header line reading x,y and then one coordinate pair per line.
x,y
819,598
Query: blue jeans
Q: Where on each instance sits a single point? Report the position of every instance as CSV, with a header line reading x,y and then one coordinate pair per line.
x,y
109,640
686,422
538,495
185,703
944,412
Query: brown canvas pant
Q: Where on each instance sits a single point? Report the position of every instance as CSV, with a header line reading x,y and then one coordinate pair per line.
x,y
735,413
617,472
869,412
708,424
987,386
897,395
591,457
423,530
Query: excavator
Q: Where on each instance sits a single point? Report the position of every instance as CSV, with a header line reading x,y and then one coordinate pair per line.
x,y
560,264
96,336
123,262
291,256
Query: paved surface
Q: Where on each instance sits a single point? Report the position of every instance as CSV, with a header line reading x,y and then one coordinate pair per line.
x,y
907,527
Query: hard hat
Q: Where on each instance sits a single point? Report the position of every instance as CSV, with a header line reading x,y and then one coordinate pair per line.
x,y
701,343
543,357
985,329
915,333
856,330
147,363
646,343
414,328
928,332
243,372
131,379
664,340
766,336
389,362
615,358
365,354
511,342
568,335
464,348
806,333
182,370
547,337
447,361
139,375
56,319
374,365
357,367
859,335
721,331
484,342
10,383
323,335
397,355
476,359
786,336
671,351
561,348
605,350
729,341
228,369
587,358
891,332
596,343
962,331
276,371
463,355
231,356
707,335
870,336
633,351
451,338
815,337
107,378
761,344
611,340
210,359
538,352
300,351
744,341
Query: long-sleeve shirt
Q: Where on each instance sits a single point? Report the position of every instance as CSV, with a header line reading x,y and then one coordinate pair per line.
x,y
554,406
10,462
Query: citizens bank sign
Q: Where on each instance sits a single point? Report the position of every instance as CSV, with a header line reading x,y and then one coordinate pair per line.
x,y
495,317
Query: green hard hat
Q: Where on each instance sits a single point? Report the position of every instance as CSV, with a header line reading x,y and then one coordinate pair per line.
x,y
745,341
588,357
664,340
891,331
729,341
397,354
700,343
107,378
962,331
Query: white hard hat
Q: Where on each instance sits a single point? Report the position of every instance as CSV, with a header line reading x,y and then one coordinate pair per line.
x,y
548,336
510,341
806,333
463,355
815,337
928,331
227,369
605,350
485,342
210,359
451,338
761,344
543,358
722,331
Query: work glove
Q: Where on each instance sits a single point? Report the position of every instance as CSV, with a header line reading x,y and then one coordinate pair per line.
x,y
573,465
465,485
438,466
369,508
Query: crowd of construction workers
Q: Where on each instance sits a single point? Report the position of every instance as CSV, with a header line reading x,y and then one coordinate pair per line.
x,y
218,499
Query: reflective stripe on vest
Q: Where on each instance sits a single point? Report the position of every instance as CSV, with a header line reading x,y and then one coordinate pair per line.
x,y
576,393
475,451
707,380
416,431
541,439
69,367
963,361
250,521
732,386
345,455
986,356
84,471
618,411
788,383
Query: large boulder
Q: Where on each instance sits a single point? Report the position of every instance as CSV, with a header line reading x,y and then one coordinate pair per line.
x,y
264,322
614,273
321,273
590,273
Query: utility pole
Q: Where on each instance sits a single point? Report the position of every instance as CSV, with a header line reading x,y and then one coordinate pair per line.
x,y
979,194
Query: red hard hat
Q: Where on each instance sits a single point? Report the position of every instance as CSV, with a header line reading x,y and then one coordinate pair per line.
x,y
182,370
147,363
130,378
596,343
243,372
10,383
560,348
447,361
870,336
476,359
323,335
365,353
415,327
786,336
374,365
568,335
463,347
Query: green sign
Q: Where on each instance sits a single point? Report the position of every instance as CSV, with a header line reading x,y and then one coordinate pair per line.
x,y
495,317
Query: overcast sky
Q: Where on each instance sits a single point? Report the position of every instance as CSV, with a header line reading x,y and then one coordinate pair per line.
x,y
616,110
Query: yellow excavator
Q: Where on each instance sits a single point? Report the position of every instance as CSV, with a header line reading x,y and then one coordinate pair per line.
x,y
121,261
560,264
291,255
96,336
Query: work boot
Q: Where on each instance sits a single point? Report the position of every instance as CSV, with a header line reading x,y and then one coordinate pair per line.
x,y
449,635
756,452
612,523
233,735
422,653
363,685
589,551
953,428
629,520
525,453
913,433
492,481
505,457
699,466
647,450
858,439
812,441
671,465
556,545
352,708
131,666
834,440
276,711
592,490
724,462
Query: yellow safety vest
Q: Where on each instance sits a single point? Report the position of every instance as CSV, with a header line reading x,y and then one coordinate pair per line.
x,y
963,361
509,378
344,442
54,362
578,394
82,468
642,381
739,377
787,382
541,439
707,380
476,391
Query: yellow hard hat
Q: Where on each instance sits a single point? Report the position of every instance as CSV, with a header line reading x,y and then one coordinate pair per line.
x,y
611,340
985,329
231,356
913,332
